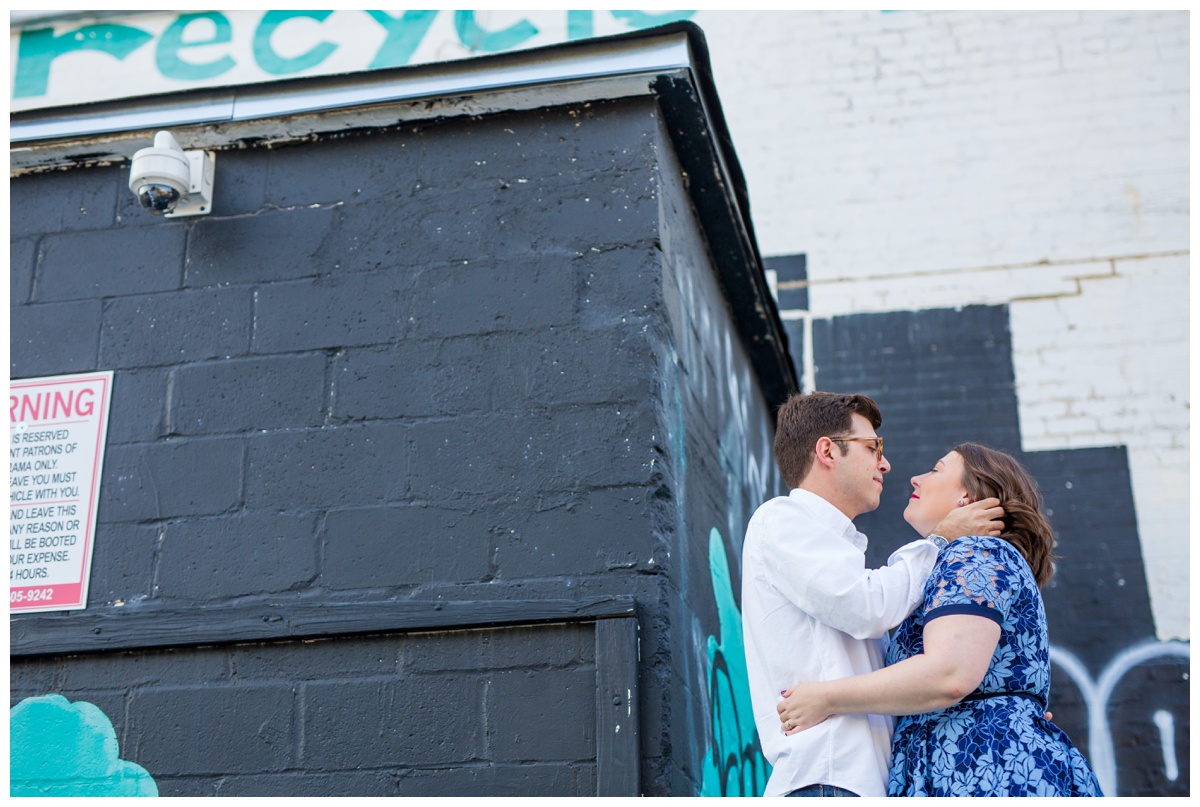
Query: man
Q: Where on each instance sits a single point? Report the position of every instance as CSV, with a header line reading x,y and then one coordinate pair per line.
x,y
811,610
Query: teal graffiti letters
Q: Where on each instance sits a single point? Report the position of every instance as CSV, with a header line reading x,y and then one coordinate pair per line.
x,y
59,748
734,764
167,57
476,38
641,19
39,47
580,25
272,62
404,34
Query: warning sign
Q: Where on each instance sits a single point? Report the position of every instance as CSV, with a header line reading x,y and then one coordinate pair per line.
x,y
58,430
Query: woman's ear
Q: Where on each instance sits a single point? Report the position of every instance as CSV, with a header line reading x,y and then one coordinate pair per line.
x,y
964,500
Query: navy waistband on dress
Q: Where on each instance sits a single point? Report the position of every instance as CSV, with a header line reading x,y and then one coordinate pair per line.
x,y
978,696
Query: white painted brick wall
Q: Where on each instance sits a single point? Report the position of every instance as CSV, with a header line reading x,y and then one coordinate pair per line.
x,y
991,285
917,140
1035,159
1116,357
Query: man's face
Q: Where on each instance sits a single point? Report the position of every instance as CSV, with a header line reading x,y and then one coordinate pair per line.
x,y
860,472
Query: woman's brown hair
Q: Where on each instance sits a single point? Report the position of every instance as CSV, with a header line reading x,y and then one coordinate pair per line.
x,y
988,472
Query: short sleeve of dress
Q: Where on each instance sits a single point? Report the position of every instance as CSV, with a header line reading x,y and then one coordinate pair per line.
x,y
972,578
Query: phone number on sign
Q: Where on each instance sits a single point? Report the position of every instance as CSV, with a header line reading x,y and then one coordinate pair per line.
x,y
31,595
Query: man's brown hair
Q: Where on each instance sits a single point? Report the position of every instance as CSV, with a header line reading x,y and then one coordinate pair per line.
x,y
805,418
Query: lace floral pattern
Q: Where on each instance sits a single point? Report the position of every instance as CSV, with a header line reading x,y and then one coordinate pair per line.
x,y
992,746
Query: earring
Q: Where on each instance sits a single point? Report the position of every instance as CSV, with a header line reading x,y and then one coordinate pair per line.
x,y
961,502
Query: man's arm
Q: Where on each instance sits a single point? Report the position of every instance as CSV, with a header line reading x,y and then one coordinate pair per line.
x,y
825,576
819,571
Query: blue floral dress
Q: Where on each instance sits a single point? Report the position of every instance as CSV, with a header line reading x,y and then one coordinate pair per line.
x,y
996,741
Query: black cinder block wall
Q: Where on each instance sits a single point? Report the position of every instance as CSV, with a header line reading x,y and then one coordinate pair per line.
x,y
481,361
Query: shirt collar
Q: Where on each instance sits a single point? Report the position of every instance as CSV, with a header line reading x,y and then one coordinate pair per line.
x,y
832,517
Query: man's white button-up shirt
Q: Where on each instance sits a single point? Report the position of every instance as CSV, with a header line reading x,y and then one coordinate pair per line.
x,y
812,611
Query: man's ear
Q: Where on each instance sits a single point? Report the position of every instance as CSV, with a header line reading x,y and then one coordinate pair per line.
x,y
824,452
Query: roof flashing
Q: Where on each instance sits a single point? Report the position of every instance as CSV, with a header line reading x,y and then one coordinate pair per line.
x,y
589,70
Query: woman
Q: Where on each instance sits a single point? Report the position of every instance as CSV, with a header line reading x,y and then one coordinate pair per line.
x,y
969,670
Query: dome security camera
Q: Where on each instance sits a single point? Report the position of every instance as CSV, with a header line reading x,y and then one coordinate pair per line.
x,y
171,182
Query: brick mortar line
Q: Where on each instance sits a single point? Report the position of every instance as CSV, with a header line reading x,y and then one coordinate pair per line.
x,y
787,285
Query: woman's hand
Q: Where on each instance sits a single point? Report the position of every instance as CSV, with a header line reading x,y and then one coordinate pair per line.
x,y
802,707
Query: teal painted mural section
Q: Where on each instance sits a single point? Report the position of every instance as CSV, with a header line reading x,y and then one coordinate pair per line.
x,y
734,765
38,47
60,748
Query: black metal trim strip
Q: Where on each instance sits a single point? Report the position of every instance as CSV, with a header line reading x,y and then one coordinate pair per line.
x,y
618,744
149,628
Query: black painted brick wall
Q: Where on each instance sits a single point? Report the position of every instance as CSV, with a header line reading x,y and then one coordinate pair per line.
x,y
462,712
405,363
443,332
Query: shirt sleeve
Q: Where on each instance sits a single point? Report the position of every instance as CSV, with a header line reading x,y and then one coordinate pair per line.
x,y
825,576
970,580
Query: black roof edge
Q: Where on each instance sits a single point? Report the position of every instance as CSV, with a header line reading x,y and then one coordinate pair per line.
x,y
697,126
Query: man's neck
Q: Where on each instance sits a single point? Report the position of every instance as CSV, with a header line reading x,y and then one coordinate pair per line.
x,y
828,492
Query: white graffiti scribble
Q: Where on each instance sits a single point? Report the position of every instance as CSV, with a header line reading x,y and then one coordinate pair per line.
x,y
1097,693
1166,734
721,376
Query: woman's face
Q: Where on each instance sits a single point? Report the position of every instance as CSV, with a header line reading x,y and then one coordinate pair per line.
x,y
936,493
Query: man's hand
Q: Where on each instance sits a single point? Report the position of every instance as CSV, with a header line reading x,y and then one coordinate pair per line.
x,y
977,518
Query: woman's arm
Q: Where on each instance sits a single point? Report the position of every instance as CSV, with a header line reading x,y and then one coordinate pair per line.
x,y
958,650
